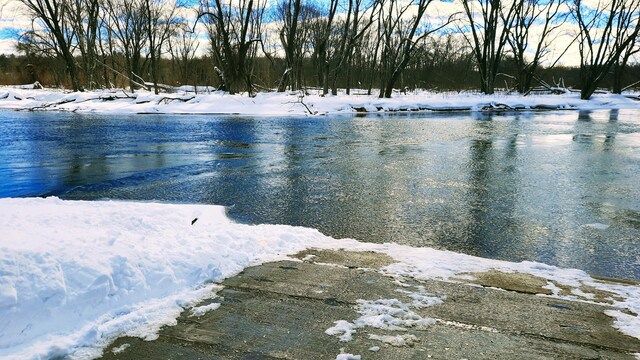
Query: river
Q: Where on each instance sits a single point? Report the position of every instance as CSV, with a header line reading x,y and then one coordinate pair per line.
x,y
559,187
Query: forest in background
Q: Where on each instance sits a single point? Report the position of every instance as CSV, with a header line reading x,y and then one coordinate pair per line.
x,y
375,45
424,75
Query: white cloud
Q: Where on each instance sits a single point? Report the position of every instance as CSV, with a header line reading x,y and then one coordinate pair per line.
x,y
8,47
12,18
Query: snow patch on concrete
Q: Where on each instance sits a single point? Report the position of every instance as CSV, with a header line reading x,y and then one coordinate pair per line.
x,y
397,340
121,348
347,356
627,324
388,314
343,328
201,310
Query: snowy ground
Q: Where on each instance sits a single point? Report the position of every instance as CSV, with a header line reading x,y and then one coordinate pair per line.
x,y
75,275
292,103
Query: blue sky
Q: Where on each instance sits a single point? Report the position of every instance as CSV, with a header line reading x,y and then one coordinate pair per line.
x,y
9,33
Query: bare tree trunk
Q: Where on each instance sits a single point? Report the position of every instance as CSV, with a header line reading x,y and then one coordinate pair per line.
x,y
530,13
620,67
401,40
53,16
127,25
322,46
234,32
289,38
488,38
618,27
151,37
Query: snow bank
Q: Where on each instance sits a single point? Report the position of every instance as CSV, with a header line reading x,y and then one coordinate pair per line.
x,y
292,103
75,275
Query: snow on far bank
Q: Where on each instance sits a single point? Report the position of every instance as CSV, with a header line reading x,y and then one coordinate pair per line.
x,y
292,103
75,275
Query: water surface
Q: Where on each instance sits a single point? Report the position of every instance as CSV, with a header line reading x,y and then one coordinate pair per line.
x,y
557,187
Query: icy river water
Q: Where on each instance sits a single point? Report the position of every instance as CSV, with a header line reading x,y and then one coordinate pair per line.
x,y
562,188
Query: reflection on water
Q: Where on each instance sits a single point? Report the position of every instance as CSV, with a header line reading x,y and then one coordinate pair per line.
x,y
557,187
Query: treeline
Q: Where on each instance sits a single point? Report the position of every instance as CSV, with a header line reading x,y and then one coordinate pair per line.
x,y
257,45
458,75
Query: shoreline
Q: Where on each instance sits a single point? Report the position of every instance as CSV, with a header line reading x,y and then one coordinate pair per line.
x,y
296,104
123,282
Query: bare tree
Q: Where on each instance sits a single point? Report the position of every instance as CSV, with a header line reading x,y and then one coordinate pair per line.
x,y
290,15
360,16
105,45
336,35
621,64
400,35
322,28
52,15
489,22
183,47
127,23
442,60
529,14
235,29
606,32
83,17
361,63
161,22
296,19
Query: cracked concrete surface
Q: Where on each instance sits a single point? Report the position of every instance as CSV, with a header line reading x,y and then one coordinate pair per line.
x,y
281,310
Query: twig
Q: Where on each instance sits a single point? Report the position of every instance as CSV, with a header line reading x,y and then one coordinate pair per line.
x,y
630,86
45,106
300,98
167,99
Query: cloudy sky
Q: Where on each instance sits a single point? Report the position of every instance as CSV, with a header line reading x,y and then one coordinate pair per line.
x,y
13,21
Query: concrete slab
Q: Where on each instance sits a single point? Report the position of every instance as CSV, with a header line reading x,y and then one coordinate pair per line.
x,y
281,310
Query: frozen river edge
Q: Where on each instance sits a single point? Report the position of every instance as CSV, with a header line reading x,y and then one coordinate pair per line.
x,y
77,275
296,103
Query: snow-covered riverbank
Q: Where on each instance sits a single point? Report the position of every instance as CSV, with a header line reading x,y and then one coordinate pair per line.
x,y
293,103
76,275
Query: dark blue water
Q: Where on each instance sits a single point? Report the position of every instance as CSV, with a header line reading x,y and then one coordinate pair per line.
x,y
558,187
